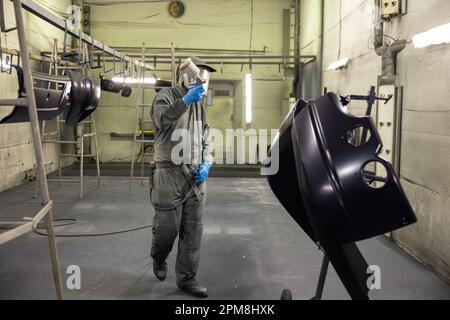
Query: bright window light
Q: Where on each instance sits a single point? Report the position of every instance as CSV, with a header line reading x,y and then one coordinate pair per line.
x,y
435,36
6,65
248,98
339,64
128,80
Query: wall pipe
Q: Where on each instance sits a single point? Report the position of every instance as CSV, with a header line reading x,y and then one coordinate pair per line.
x,y
297,84
319,65
388,53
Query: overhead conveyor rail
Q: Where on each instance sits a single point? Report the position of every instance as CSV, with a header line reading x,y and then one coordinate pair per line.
x,y
61,24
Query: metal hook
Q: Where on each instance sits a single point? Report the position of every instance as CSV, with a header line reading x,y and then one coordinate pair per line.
x,y
80,43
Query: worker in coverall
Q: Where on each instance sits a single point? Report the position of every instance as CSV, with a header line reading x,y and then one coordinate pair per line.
x,y
178,189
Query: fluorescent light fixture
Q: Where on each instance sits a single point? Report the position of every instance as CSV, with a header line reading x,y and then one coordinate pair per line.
x,y
128,80
339,64
435,36
248,98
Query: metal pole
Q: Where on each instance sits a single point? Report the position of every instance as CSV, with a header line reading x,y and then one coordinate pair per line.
x,y
174,79
97,160
142,110
36,189
81,158
314,89
58,129
322,277
136,119
37,143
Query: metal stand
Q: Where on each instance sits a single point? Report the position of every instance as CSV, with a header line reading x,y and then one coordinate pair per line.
x,y
371,98
46,211
79,142
322,278
139,133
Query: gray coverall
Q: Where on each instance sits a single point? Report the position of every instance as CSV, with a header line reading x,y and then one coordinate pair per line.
x,y
171,185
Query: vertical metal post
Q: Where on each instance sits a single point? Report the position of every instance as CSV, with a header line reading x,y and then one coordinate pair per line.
x,y
58,129
136,116
52,66
174,72
314,88
97,160
37,144
322,278
81,158
142,111
36,187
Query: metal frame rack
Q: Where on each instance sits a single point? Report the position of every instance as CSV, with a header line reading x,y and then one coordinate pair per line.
x,y
139,136
30,224
81,134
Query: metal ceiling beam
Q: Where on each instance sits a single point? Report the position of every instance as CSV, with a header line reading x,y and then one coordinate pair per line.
x,y
60,23
229,57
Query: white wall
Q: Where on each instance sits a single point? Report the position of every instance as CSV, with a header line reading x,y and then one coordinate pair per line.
x,y
425,75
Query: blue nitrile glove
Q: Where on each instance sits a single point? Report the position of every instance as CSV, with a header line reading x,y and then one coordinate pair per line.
x,y
194,95
201,173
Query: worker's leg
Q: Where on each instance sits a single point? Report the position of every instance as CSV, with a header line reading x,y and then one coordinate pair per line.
x,y
166,224
191,232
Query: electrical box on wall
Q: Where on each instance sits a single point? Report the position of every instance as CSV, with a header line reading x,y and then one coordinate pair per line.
x,y
393,8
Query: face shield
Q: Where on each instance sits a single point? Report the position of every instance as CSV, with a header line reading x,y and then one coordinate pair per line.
x,y
192,76
194,79
204,75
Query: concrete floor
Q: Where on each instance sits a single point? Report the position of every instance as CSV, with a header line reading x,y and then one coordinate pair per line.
x,y
252,249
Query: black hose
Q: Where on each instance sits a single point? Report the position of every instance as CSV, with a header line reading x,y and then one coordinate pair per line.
x,y
70,221
188,195
83,235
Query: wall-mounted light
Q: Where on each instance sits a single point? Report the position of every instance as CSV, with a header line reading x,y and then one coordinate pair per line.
x,y
128,80
337,65
435,36
248,98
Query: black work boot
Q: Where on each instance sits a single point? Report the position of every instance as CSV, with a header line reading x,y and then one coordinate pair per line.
x,y
194,288
160,270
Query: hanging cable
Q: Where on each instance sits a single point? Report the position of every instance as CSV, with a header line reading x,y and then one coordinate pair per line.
x,y
90,235
340,29
62,222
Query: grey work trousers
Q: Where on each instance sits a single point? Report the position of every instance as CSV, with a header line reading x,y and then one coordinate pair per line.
x,y
170,186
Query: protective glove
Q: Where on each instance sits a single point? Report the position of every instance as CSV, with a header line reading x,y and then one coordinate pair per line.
x,y
201,173
194,95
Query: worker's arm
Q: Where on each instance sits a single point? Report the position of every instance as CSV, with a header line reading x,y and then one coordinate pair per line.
x,y
166,109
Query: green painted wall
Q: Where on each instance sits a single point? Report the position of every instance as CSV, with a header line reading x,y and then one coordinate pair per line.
x,y
211,24
17,160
